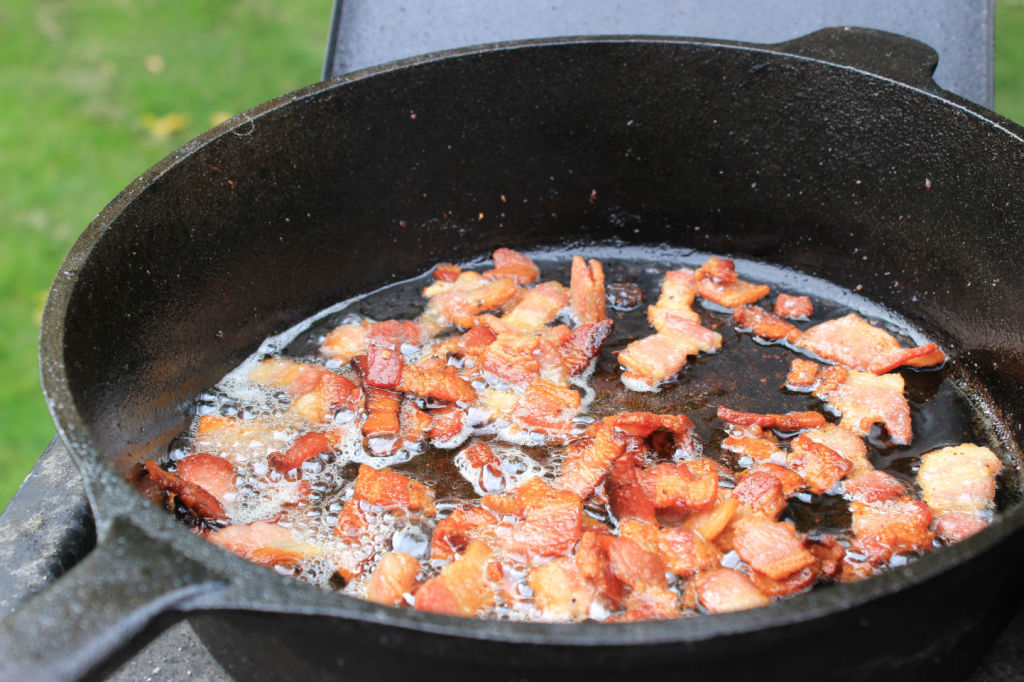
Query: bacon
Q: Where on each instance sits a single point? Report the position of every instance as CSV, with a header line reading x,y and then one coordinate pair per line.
x,y
453,534
872,487
682,550
762,493
391,490
546,408
538,307
583,345
635,566
643,424
383,367
803,374
213,474
958,484
474,341
332,393
586,286
345,342
865,399
771,548
415,424
717,281
467,297
440,384
199,501
486,466
722,590
653,359
692,485
791,584
678,290
512,264
710,523
752,443
382,424
955,526
763,324
549,519
829,555
794,307
819,465
588,459
263,543
511,358
446,422
560,591
791,481
446,272
305,447
296,377
395,334
393,578
594,566
855,343
625,494
893,527
791,421
847,444
464,586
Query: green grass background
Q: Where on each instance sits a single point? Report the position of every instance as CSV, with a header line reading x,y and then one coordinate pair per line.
x,y
94,92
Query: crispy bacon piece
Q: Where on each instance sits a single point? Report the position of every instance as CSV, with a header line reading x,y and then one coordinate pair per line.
x,y
791,421
763,324
892,527
199,501
819,465
474,341
464,586
415,424
791,481
717,281
382,425
486,466
514,265
511,358
332,393
586,286
653,359
231,437
446,272
560,591
803,374
847,444
549,519
305,447
793,307
345,342
441,384
691,485
446,422
383,367
635,566
682,550
872,487
583,345
538,307
546,408
263,543
754,443
625,494
395,334
761,493
453,534
829,555
771,548
678,290
864,399
588,459
391,490
958,484
710,523
393,578
594,566
296,377
459,302
722,590
213,474
791,584
643,424
855,343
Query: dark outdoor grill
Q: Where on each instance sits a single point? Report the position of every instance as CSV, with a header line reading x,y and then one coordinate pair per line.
x,y
48,526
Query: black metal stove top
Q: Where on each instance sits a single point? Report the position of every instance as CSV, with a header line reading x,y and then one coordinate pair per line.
x,y
48,526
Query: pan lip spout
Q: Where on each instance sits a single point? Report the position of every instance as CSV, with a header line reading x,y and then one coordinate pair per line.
x,y
252,588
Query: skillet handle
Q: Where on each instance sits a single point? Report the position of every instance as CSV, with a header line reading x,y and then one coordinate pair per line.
x,y
885,54
117,593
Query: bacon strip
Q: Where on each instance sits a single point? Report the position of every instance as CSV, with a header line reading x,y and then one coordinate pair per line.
x,y
717,281
586,287
263,543
547,408
794,307
771,547
393,578
446,272
761,493
691,485
511,358
514,265
819,465
583,345
538,307
453,534
459,302
305,447
588,459
198,500
857,344
792,421
894,527
441,384
391,490
678,290
722,590
763,324
213,474
957,483
653,359
626,496
560,591
464,586
864,399
550,519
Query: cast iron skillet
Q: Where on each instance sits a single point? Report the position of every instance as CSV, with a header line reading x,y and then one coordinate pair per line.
x,y
866,175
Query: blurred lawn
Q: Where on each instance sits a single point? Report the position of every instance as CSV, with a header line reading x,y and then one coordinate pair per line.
x,y
94,92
